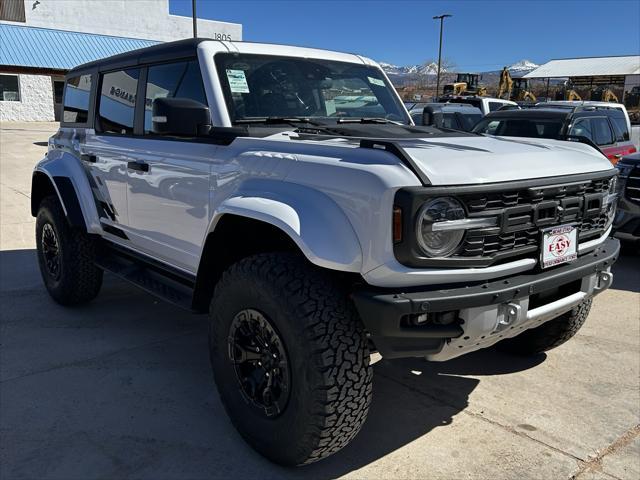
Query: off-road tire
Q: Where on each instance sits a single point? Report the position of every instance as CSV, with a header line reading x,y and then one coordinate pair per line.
x,y
79,280
548,335
331,379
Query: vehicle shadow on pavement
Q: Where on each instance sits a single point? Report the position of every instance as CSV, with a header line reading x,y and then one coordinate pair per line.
x,y
413,397
122,387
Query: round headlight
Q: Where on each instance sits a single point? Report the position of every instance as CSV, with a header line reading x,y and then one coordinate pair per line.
x,y
439,243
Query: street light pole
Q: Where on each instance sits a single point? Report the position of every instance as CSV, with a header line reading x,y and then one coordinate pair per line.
x,y
195,18
441,18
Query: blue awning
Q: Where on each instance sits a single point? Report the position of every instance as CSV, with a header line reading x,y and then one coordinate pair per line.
x,y
33,47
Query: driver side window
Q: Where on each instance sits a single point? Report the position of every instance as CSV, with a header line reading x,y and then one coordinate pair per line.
x,y
172,80
582,128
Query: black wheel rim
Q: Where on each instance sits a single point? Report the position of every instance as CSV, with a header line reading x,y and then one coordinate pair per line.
x,y
260,362
51,251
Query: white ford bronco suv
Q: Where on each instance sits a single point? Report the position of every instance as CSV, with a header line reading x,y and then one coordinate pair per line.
x,y
286,192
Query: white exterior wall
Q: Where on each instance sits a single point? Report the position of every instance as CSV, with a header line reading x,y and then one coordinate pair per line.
x,y
145,19
36,100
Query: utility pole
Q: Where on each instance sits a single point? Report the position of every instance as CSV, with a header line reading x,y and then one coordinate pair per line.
x,y
441,18
195,18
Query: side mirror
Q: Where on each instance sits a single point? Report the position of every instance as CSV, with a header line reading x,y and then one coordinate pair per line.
x,y
180,117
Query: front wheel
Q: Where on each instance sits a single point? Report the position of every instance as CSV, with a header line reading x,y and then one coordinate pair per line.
x,y
550,334
290,358
66,256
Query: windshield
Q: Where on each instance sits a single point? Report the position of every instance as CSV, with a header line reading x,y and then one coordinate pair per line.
x,y
520,127
265,86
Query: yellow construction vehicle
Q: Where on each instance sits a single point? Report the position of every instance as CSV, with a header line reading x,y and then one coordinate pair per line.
x,y
465,84
515,89
571,95
521,92
506,84
604,94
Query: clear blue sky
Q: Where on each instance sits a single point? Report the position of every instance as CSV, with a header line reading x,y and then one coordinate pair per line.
x,y
482,35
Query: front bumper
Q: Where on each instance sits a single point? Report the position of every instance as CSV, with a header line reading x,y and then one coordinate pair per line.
x,y
463,319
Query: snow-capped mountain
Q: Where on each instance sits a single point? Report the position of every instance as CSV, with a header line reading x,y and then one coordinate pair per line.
x,y
517,69
522,67
428,69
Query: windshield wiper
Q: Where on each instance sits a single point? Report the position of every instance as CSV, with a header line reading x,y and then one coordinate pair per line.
x,y
279,120
368,120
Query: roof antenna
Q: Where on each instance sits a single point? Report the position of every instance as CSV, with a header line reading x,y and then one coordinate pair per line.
x,y
195,18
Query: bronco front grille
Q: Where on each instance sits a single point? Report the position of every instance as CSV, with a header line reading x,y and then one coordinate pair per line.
x,y
523,213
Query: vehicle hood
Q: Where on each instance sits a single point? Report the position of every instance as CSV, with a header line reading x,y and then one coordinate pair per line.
x,y
486,159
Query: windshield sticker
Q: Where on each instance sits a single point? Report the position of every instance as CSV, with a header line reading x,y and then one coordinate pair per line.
x,y
237,81
376,81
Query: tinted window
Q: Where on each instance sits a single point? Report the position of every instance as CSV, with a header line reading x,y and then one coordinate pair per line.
x,y
469,120
493,106
76,99
602,131
620,127
582,127
118,101
9,88
181,80
521,127
449,121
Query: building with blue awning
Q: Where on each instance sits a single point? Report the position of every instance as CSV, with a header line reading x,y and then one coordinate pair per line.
x,y
40,41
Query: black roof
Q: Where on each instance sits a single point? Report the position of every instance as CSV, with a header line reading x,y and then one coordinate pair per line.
x,y
531,113
156,53
553,112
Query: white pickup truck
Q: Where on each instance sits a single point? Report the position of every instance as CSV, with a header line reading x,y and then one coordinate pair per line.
x,y
286,193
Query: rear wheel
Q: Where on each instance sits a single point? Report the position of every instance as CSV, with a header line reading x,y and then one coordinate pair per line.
x,y
66,256
550,334
289,357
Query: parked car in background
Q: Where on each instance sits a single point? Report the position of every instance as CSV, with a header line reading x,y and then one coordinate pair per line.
x,y
485,104
457,116
575,104
627,221
602,127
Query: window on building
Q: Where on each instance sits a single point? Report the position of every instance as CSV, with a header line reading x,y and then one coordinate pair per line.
x,y
12,10
118,101
174,80
76,99
9,88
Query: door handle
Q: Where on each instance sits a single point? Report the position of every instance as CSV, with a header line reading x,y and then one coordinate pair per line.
x,y
89,158
138,166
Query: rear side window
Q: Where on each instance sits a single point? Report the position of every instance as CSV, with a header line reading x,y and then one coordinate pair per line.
x,y
174,80
118,101
76,99
493,106
620,128
601,131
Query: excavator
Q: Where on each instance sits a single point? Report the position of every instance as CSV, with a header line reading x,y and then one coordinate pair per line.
x,y
521,92
603,94
515,88
465,84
